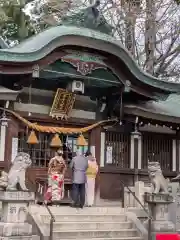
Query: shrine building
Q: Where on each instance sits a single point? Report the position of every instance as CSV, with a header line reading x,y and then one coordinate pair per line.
x,y
76,86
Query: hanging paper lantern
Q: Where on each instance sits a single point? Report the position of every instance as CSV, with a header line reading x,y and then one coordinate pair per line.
x,y
56,141
32,139
81,141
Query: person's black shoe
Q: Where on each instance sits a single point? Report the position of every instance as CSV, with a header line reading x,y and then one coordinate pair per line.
x,y
72,205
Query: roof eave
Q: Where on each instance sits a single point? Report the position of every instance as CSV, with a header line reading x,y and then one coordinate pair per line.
x,y
30,51
146,113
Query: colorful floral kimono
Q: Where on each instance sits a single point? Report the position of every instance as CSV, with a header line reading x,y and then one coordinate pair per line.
x,y
55,191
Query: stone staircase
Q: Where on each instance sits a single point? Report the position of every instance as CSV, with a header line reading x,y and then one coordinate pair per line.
x,y
88,223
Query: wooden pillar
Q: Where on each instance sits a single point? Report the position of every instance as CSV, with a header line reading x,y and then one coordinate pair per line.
x,y
3,142
95,142
139,165
177,155
136,153
174,155
102,146
136,150
12,132
132,152
178,151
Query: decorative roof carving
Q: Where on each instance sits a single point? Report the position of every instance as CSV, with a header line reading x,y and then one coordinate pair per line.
x,y
84,62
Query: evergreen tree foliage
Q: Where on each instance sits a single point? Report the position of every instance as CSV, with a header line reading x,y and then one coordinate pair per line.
x,y
15,25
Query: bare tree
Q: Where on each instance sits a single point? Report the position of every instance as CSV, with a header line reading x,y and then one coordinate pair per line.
x,y
151,32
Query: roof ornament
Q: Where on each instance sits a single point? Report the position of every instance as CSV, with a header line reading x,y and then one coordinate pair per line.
x,y
94,8
89,17
92,14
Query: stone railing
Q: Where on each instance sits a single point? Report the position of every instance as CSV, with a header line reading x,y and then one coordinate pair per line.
x,y
138,189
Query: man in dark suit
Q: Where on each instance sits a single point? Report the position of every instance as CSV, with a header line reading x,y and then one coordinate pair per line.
x,y
79,165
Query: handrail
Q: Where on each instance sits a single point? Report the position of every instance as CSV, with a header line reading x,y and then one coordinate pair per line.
x,y
145,210
137,199
52,218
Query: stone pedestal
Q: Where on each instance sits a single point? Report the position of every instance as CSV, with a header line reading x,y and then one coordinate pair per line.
x,y
158,206
13,224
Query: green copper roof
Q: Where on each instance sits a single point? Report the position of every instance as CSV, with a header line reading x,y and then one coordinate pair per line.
x,y
37,47
169,107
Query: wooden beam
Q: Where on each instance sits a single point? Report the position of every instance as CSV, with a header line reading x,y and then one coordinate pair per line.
x,y
47,93
43,109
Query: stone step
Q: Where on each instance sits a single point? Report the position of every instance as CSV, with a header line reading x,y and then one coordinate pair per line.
x,y
124,238
77,234
62,226
62,210
87,210
86,218
34,237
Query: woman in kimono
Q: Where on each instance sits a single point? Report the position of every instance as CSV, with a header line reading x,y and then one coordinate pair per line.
x,y
91,176
56,172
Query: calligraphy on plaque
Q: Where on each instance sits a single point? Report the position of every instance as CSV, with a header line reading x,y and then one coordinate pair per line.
x,y
12,210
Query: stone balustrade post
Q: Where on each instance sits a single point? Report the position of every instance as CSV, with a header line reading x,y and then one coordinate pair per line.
x,y
14,215
139,193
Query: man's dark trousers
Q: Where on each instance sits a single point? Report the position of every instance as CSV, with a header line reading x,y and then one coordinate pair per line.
x,y
79,194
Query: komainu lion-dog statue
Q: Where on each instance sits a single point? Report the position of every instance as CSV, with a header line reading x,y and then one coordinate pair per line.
x,y
159,183
17,172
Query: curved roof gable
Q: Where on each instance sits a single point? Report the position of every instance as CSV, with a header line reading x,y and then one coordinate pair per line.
x,y
39,46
